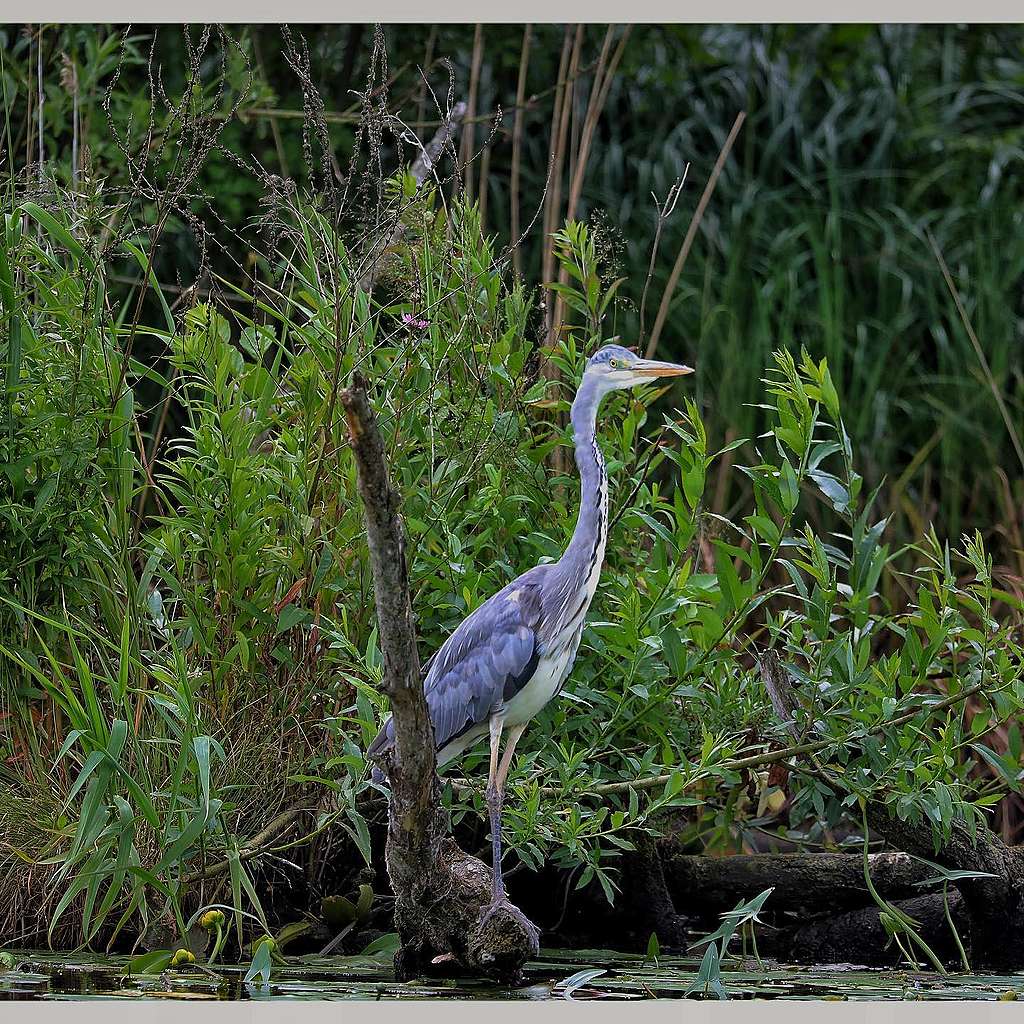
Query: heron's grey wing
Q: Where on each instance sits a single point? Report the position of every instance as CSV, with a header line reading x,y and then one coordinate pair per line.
x,y
486,661
495,664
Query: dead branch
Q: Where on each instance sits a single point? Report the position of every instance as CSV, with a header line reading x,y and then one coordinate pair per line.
x,y
440,891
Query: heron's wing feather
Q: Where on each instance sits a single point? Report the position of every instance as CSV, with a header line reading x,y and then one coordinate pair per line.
x,y
487,660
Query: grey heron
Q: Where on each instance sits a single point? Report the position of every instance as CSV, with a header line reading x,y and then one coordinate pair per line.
x,y
511,656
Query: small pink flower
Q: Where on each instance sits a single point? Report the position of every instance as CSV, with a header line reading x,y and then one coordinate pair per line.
x,y
410,321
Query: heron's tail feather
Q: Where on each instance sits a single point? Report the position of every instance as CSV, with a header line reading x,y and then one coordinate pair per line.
x,y
376,751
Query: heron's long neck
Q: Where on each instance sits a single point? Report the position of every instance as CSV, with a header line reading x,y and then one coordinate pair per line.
x,y
582,560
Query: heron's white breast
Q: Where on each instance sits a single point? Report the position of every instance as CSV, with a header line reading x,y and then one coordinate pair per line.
x,y
544,684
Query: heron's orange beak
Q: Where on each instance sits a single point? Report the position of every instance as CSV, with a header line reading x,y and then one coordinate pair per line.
x,y
656,368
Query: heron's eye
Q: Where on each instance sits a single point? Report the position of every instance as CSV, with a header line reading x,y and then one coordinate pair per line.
x,y
614,363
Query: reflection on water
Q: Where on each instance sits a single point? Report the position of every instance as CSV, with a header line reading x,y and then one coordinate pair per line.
x,y
576,974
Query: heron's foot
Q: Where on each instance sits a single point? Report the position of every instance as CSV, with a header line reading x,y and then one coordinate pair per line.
x,y
502,905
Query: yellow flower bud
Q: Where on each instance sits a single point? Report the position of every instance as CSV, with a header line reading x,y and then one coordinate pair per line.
x,y
212,919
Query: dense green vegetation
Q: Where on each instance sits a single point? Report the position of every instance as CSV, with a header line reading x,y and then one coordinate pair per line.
x,y
188,652
858,141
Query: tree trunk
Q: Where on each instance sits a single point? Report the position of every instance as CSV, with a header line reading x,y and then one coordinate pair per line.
x,y
440,891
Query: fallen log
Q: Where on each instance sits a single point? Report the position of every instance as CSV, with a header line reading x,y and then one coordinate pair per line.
x,y
994,905
441,892
802,881
859,937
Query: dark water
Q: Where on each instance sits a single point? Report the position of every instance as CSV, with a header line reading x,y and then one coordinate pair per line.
x,y
557,974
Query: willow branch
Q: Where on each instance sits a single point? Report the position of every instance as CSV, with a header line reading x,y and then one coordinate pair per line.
x,y
773,756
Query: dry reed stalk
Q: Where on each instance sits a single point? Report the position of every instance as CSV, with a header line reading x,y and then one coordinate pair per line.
x,y
469,132
548,254
42,98
553,211
603,76
691,233
428,60
517,150
558,458
30,103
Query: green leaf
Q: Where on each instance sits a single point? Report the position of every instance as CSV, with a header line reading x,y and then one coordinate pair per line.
x,y
385,944
709,977
59,234
261,965
290,616
789,486
201,746
1006,770
361,834
832,488
125,660
150,963
674,649
187,839
91,763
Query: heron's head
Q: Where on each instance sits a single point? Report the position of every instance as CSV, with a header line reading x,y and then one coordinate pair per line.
x,y
616,368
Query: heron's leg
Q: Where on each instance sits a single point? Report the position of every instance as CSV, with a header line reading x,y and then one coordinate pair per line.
x,y
506,759
496,799
494,796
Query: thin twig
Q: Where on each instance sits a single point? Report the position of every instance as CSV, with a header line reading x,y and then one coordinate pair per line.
x,y
665,211
691,232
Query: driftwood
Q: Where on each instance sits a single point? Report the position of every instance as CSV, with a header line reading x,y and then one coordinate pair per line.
x,y
440,891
